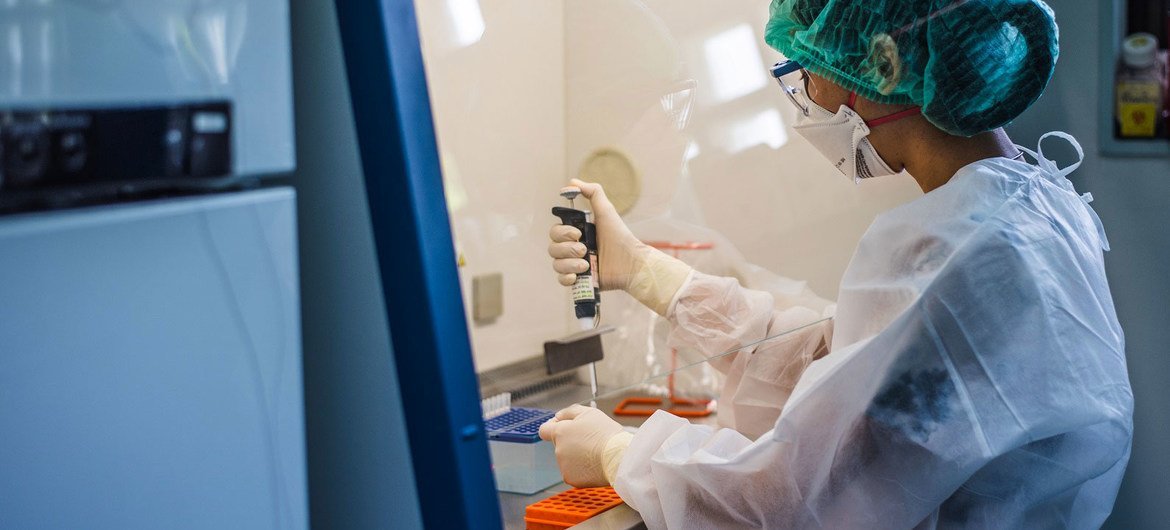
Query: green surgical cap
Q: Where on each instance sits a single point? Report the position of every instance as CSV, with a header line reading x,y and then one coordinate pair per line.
x,y
972,65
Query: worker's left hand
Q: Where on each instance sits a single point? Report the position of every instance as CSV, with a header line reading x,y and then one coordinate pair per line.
x,y
580,435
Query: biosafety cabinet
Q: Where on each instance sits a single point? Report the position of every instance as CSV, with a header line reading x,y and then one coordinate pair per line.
x,y
150,354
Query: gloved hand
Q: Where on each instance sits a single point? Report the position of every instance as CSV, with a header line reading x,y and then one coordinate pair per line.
x,y
649,275
589,445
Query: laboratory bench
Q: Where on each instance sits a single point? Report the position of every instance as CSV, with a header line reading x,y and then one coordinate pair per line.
x,y
622,517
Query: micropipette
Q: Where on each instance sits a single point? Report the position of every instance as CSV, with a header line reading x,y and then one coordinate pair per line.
x,y
586,290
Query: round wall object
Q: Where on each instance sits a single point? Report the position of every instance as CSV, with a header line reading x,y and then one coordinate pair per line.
x,y
616,174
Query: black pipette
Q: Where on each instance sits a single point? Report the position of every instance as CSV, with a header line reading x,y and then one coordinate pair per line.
x,y
586,290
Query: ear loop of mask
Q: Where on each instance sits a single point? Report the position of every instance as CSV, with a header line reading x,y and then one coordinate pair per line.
x,y
884,119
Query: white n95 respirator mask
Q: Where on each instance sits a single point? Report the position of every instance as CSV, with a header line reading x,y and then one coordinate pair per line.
x,y
842,138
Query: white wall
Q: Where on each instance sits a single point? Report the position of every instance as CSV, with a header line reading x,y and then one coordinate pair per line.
x,y
496,74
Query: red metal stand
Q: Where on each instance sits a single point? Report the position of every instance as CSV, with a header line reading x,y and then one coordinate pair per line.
x,y
683,407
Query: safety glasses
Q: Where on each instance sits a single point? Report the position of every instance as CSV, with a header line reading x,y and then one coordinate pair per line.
x,y
794,82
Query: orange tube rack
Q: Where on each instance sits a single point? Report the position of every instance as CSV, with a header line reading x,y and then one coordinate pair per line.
x,y
570,507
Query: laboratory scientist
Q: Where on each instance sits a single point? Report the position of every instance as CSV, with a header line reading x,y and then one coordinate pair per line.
x,y
973,373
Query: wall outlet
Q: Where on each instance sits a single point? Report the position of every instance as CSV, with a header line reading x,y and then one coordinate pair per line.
x,y
487,297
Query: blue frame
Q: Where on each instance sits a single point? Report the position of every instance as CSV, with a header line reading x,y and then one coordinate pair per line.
x,y
416,258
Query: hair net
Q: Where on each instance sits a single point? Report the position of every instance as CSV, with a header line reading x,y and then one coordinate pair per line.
x,y
972,65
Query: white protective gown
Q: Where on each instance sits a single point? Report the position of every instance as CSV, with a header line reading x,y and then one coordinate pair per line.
x,y
976,378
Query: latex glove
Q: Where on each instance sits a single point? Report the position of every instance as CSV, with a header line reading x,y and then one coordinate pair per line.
x,y
589,445
625,263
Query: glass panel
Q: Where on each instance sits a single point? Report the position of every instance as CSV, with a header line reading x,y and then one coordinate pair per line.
x,y
670,105
693,378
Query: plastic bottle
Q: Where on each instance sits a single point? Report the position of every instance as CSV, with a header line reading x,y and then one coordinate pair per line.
x,y
1140,84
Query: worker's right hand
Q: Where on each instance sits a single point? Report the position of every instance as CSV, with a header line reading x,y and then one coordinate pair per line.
x,y
619,252
625,262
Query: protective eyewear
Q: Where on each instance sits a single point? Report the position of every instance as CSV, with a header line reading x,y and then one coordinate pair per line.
x,y
793,81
